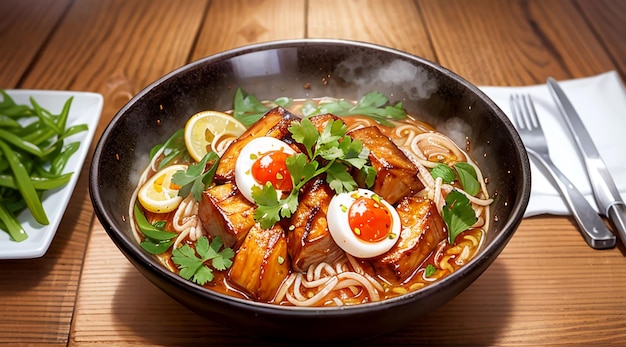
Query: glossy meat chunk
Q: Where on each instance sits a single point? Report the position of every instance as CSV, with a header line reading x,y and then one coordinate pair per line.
x,y
273,123
396,175
261,265
225,212
310,242
321,120
422,230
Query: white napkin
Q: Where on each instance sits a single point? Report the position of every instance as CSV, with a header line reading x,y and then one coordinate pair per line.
x,y
601,103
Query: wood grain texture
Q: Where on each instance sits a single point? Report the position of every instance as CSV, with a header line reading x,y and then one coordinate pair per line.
x,y
24,30
394,23
547,287
606,19
491,42
234,23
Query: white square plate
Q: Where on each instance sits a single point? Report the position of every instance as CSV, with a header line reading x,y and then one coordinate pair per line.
x,y
85,109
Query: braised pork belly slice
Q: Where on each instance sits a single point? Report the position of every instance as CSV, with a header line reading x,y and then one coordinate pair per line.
x,y
308,239
275,117
225,212
422,230
321,120
396,175
261,265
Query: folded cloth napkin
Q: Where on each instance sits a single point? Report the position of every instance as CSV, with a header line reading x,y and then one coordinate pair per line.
x,y
601,103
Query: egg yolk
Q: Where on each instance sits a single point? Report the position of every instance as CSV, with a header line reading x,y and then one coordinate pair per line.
x,y
369,219
272,167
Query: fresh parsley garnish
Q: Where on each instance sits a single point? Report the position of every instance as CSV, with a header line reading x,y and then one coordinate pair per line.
x,y
196,177
458,214
193,264
339,153
248,109
373,105
465,172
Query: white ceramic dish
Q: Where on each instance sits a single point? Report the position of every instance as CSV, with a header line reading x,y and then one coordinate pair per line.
x,y
85,109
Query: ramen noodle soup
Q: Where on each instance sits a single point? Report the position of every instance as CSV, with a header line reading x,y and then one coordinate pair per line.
x,y
311,208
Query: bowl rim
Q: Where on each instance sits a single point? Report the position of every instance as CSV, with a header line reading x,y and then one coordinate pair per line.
x,y
480,262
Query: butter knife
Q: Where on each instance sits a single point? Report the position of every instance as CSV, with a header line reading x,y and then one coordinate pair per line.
x,y
608,199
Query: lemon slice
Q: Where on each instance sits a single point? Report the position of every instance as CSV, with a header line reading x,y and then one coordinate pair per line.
x,y
204,126
159,194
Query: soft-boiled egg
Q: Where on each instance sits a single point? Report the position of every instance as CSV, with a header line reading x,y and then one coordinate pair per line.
x,y
263,160
362,223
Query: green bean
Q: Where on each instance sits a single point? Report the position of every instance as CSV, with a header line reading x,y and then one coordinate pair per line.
x,y
39,183
45,117
59,162
25,186
17,111
12,225
32,158
8,122
20,143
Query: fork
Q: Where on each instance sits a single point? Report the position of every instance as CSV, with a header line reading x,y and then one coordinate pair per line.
x,y
591,226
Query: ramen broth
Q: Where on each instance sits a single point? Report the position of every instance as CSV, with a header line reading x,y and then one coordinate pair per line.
x,y
345,279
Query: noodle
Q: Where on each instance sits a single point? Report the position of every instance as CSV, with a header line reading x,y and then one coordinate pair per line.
x,y
349,280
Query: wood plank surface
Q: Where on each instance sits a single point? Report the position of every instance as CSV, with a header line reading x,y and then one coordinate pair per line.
x,y
491,42
547,287
395,23
235,23
24,30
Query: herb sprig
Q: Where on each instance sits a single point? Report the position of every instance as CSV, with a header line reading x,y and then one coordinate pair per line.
x,y
373,105
196,177
333,149
458,214
248,109
194,264
465,172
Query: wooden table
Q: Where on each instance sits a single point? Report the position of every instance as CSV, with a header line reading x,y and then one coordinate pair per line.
x,y
547,287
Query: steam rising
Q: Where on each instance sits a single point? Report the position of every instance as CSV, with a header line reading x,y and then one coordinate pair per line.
x,y
371,73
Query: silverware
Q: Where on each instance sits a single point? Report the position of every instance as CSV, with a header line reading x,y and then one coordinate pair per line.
x,y
591,226
605,192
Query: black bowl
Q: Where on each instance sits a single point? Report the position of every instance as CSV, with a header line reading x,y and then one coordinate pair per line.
x,y
310,68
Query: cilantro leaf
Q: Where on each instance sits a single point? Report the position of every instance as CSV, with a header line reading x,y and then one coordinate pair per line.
x,y
367,175
339,153
195,178
468,177
300,168
248,109
373,99
269,207
444,171
339,178
306,133
458,214
192,263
